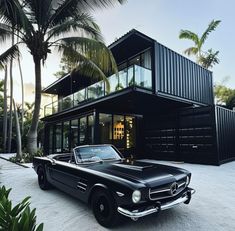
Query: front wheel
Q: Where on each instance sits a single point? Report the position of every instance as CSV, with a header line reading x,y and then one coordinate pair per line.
x,y
42,179
104,208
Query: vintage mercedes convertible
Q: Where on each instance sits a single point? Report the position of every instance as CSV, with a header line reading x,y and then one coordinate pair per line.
x,y
112,185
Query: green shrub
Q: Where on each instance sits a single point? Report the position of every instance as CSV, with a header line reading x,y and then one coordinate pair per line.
x,y
26,157
18,218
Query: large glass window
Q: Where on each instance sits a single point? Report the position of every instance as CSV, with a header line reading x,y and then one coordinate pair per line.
x,y
74,133
50,139
145,59
82,130
105,128
66,130
118,131
58,137
90,129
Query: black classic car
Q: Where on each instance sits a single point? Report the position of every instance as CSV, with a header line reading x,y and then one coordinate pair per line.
x,y
112,185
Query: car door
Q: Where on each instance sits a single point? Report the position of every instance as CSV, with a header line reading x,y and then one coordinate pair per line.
x,y
69,177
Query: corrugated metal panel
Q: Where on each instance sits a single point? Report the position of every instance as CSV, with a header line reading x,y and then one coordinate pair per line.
x,y
185,135
178,76
225,121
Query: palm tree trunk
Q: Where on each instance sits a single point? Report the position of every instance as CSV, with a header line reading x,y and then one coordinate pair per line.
x,y
5,113
11,101
22,89
22,97
18,134
32,134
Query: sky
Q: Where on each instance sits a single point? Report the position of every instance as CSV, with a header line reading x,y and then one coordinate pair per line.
x,y
159,19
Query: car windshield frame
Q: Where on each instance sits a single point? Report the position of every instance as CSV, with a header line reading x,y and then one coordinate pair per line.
x,y
96,154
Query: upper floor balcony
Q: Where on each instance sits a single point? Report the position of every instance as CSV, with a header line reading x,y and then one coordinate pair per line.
x,y
132,76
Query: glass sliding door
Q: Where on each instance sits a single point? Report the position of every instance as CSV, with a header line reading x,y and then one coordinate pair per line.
x,y
66,131
105,128
58,137
82,130
50,139
74,133
90,130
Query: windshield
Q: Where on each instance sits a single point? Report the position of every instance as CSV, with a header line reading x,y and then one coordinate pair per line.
x,y
95,154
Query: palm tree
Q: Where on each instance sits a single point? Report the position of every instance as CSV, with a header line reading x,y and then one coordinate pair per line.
x,y
198,41
42,25
5,119
18,134
209,59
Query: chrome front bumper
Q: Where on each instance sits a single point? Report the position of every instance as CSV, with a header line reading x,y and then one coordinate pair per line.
x,y
136,214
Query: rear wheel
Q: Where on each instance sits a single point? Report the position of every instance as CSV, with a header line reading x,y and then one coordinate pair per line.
x,y
104,208
42,179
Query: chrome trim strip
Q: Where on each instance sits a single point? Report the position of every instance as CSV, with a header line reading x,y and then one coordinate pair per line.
x,y
80,187
120,194
180,185
168,205
83,184
159,191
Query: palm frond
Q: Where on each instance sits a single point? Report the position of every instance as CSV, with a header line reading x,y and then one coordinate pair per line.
x,y
39,11
5,32
186,34
211,27
68,8
9,54
82,23
209,59
92,49
191,51
85,66
13,14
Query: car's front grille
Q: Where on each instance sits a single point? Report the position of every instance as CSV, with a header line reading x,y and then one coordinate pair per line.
x,y
168,190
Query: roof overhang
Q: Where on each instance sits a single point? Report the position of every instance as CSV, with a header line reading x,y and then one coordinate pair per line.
x,y
130,44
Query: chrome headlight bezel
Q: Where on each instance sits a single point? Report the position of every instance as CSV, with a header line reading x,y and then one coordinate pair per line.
x,y
187,180
136,196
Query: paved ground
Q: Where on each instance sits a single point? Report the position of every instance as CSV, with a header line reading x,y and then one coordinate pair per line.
x,y
212,208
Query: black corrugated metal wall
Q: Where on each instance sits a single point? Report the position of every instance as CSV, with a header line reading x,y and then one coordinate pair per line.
x,y
186,135
177,76
225,126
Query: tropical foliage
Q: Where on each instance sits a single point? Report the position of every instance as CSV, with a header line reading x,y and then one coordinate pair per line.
x,y
209,59
63,24
225,96
206,59
67,64
19,217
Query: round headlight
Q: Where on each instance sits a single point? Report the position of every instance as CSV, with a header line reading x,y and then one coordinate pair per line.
x,y
136,196
187,180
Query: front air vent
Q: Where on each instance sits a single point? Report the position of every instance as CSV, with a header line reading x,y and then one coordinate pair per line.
x,y
82,185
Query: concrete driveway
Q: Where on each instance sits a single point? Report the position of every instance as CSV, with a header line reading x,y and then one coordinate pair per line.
x,y
212,207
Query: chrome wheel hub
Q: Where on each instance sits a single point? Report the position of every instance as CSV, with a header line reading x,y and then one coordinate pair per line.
x,y
101,207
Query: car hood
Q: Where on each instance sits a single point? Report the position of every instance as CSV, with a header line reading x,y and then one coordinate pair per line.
x,y
143,171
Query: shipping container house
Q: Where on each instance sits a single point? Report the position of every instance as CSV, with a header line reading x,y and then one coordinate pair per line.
x,y
160,105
